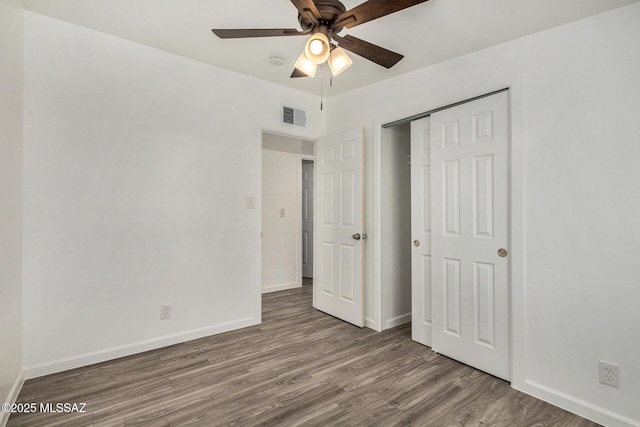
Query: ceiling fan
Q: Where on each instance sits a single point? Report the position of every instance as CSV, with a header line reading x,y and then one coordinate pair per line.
x,y
323,20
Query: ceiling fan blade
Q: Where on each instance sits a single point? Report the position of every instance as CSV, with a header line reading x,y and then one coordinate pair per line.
x,y
307,8
297,73
256,32
372,52
370,10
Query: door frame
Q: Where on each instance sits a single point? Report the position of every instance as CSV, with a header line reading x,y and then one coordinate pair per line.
x,y
515,84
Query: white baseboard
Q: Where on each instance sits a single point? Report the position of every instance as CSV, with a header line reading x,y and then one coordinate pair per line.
x,y
398,320
280,287
13,396
577,406
139,347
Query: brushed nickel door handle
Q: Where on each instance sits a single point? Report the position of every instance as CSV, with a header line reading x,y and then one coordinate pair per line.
x,y
502,252
416,243
356,236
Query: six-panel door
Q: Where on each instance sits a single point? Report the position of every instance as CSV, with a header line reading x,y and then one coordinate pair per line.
x,y
338,278
470,213
421,322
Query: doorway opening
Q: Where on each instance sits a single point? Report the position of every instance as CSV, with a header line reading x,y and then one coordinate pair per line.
x,y
395,229
282,213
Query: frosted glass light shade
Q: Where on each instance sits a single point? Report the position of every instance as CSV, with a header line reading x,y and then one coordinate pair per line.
x,y
339,61
317,48
306,66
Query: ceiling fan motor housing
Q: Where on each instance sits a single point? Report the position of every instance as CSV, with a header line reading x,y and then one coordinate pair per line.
x,y
329,11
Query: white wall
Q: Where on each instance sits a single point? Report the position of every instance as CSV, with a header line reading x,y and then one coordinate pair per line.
x,y
137,165
281,236
11,68
395,226
287,144
576,130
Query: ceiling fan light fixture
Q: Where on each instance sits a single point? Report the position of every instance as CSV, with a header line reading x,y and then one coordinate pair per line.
x,y
306,66
339,61
317,48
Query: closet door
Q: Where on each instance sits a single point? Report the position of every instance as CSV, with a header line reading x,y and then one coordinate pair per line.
x,y
421,231
470,238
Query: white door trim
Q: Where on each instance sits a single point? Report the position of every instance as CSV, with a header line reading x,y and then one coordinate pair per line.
x,y
514,82
257,223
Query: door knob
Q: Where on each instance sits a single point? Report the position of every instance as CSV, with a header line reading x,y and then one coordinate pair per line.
x,y
502,252
356,236
416,243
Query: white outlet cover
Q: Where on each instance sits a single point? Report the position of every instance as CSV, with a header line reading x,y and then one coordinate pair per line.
x,y
608,374
165,312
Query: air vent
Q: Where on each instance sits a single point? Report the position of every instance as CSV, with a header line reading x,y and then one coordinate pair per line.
x,y
293,116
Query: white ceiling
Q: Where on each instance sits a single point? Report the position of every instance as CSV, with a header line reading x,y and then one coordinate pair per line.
x,y
426,34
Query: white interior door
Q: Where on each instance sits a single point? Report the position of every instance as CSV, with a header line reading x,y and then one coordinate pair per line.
x,y
421,231
469,213
339,226
307,219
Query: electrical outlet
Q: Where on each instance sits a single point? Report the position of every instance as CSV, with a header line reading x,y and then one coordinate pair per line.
x,y
165,312
608,374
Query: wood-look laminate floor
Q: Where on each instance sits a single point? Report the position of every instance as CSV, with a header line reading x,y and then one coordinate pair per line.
x,y
299,367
